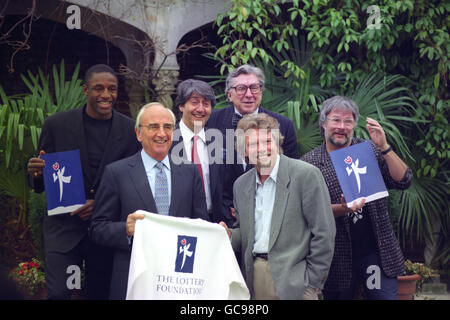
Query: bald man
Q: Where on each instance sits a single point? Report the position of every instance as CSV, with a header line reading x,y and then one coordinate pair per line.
x,y
134,184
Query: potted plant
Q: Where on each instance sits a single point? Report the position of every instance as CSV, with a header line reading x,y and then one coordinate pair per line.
x,y
414,276
30,279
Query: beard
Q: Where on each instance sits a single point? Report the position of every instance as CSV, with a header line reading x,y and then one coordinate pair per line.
x,y
342,143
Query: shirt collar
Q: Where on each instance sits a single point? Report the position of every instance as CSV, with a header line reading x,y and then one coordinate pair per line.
x,y
149,162
188,134
254,112
273,173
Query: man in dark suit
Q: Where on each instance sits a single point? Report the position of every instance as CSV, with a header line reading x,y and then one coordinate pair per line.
x,y
244,87
102,136
149,180
196,99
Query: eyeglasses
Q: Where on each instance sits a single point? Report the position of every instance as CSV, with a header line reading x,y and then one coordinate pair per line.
x,y
337,122
242,88
152,127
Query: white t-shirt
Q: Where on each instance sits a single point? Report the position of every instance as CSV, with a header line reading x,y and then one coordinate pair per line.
x,y
180,258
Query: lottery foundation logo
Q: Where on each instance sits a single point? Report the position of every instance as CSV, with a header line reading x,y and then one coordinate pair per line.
x,y
59,175
354,168
185,254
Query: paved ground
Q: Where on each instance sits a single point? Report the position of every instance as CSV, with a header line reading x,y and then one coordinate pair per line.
x,y
431,296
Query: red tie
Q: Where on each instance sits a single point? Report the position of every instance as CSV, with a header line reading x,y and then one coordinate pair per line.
x,y
196,159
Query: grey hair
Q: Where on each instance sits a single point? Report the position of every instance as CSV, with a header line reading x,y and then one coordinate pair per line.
x,y
245,69
334,103
186,88
258,121
145,107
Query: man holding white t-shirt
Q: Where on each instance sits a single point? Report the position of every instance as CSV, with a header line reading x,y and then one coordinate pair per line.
x,y
148,180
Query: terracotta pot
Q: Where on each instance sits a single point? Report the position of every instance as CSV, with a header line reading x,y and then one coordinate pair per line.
x,y
407,286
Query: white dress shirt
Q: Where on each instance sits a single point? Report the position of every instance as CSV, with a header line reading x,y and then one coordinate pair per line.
x,y
151,171
264,201
202,151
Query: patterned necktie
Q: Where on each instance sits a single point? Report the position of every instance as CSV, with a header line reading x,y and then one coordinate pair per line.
x,y
196,159
161,190
235,120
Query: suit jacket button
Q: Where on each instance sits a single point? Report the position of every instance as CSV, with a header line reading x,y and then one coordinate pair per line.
x,y
92,191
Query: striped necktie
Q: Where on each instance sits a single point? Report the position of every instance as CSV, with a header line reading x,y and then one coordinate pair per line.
x,y
161,190
235,120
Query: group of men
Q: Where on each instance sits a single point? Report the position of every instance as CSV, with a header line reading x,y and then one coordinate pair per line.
x,y
287,219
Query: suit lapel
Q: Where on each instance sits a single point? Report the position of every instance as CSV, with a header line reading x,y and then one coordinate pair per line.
x,y
249,206
178,144
79,142
214,168
281,199
177,188
140,181
227,119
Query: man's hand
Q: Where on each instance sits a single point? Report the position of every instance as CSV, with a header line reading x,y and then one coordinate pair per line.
x,y
354,207
223,224
85,211
35,165
377,134
131,222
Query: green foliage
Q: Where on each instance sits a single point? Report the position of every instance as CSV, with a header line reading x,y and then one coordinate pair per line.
x,y
21,120
433,136
382,97
37,211
22,116
397,72
420,269
249,29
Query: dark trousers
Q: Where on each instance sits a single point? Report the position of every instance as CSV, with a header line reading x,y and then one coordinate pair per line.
x,y
61,270
367,272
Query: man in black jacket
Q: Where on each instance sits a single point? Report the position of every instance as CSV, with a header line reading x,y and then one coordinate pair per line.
x,y
244,88
102,136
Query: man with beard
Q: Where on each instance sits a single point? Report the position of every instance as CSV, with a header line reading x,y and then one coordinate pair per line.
x,y
285,228
365,239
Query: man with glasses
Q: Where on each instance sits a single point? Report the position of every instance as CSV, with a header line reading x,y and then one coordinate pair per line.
x,y
149,180
366,250
244,88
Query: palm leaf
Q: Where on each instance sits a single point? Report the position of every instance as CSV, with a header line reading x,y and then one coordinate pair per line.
x,y
383,98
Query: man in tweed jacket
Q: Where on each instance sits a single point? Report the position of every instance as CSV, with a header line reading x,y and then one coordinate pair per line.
x,y
366,249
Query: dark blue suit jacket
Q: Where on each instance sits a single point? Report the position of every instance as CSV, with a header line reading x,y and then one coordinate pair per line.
x,y
215,176
222,119
123,190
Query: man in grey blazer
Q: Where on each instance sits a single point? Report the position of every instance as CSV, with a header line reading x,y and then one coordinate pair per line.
x,y
285,229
